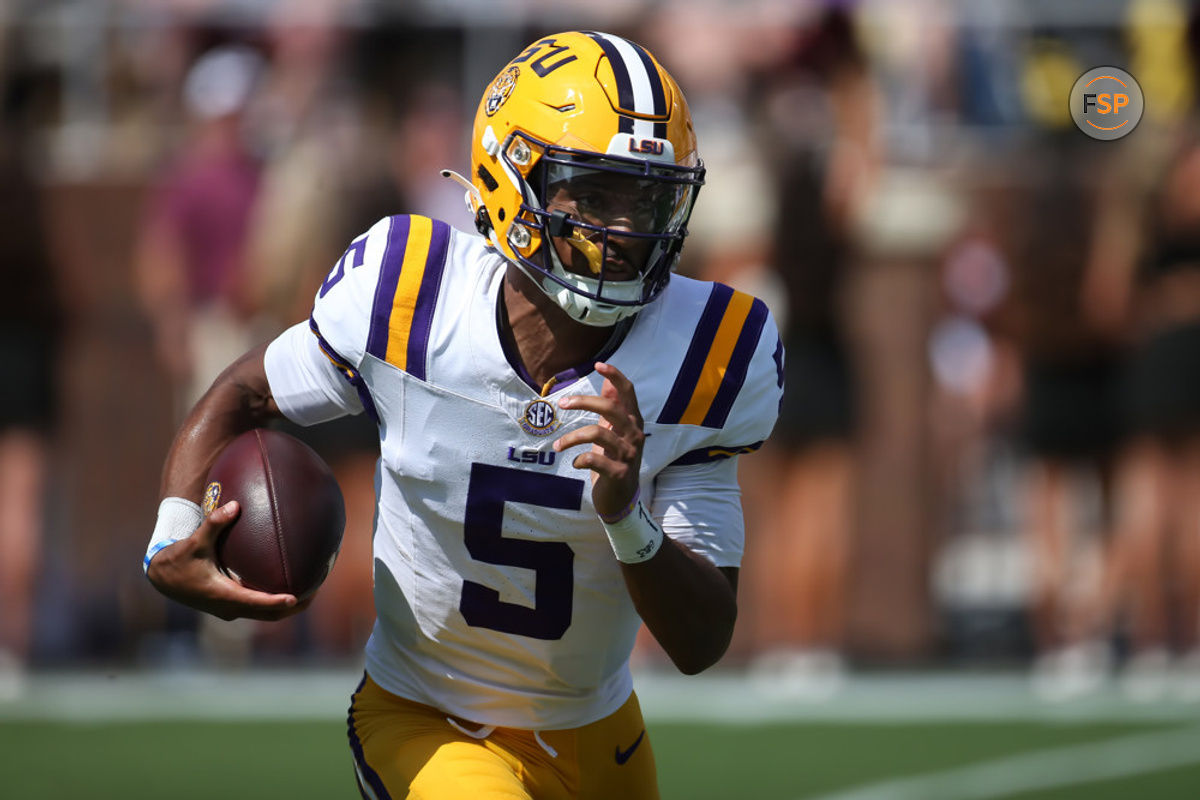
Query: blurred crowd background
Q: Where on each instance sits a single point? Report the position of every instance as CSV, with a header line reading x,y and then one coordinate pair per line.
x,y
988,456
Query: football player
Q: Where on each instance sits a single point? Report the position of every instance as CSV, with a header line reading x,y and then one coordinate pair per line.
x,y
559,422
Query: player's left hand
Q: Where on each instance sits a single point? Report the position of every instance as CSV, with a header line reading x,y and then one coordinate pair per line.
x,y
616,455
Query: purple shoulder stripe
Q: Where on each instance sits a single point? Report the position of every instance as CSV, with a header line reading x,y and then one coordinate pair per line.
x,y
739,364
385,288
431,282
693,361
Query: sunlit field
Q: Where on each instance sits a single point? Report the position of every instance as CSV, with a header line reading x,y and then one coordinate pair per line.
x,y
919,736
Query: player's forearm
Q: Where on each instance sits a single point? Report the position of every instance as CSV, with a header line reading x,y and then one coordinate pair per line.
x,y
240,399
686,602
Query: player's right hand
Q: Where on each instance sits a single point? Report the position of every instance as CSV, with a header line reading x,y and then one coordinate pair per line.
x,y
187,572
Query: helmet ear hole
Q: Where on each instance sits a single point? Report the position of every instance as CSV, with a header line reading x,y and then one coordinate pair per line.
x,y
500,213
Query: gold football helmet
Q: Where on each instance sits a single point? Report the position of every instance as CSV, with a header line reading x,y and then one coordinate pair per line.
x,y
584,140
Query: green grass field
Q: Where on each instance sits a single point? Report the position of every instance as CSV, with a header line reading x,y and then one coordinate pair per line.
x,y
887,742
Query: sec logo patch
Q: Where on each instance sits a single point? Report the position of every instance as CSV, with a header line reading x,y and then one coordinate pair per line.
x,y
212,498
539,418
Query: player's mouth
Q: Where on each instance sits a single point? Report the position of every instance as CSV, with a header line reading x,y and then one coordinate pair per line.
x,y
619,270
618,266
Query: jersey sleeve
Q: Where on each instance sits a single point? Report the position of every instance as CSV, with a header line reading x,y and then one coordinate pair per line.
x,y
379,299
307,385
313,367
699,506
344,305
725,400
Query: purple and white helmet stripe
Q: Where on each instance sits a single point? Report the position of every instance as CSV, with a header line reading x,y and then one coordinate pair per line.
x,y
639,86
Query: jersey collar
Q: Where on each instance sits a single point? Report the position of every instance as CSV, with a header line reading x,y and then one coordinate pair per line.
x,y
566,377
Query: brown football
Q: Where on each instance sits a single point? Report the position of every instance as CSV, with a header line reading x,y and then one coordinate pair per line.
x,y
292,515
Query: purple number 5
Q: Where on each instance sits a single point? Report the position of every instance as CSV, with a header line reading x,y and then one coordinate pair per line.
x,y
553,562
354,254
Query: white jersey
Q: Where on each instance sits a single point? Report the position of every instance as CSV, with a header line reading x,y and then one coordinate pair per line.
x,y
497,595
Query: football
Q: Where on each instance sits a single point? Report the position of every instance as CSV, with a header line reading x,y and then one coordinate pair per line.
x,y
292,515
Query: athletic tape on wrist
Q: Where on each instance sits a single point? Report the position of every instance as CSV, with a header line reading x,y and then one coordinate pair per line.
x,y
635,538
624,512
178,519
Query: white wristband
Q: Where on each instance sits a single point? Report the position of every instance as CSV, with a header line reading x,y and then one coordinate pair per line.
x,y
634,538
177,519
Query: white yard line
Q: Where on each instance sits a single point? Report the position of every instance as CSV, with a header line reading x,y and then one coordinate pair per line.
x,y
893,699
1045,769
136,696
721,699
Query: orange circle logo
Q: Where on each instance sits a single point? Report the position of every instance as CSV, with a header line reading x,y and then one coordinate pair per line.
x,y
1106,103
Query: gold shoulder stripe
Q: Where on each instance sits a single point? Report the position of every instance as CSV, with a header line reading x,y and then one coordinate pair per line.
x,y
718,358
404,301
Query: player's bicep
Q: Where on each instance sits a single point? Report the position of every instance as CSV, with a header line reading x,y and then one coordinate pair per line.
x,y
307,384
700,507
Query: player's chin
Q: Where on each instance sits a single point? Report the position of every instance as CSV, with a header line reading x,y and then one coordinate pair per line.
x,y
620,266
623,271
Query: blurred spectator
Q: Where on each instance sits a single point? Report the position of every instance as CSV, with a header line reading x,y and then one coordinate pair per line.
x,y
190,264
1070,421
821,119
1158,546
913,211
31,323
428,137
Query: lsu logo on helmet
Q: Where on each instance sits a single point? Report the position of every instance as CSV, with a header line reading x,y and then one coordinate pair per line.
x,y
500,89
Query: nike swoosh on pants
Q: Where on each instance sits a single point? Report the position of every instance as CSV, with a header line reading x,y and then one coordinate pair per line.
x,y
624,755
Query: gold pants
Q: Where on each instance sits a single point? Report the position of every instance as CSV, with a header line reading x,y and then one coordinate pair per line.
x,y
404,749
